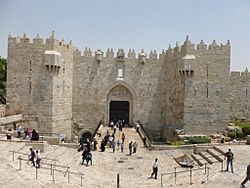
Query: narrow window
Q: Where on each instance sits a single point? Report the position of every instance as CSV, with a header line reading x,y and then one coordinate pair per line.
x,y
30,65
120,73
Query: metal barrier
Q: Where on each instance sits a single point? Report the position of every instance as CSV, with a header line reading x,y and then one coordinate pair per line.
x,y
52,168
26,154
190,171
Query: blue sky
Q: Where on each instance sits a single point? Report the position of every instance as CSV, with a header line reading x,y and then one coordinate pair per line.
x,y
132,23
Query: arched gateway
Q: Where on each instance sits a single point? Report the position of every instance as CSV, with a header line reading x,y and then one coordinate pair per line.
x,y
119,103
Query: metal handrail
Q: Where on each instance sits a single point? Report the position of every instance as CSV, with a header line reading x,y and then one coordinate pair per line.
x,y
96,130
26,154
53,169
190,170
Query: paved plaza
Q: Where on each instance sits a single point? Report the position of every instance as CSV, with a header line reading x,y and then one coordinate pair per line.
x,y
134,170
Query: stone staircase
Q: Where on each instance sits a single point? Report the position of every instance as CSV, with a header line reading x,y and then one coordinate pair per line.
x,y
134,171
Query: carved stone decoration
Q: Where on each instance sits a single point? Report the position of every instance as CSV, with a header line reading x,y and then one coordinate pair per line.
x,y
120,92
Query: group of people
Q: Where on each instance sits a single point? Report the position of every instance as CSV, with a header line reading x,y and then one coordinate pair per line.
x,y
30,134
34,156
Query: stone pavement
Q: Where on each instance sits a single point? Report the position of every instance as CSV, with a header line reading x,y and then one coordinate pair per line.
x,y
134,170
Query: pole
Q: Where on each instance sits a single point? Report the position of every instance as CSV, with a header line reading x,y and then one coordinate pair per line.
x,y
161,181
191,176
20,163
13,156
68,176
205,168
51,169
53,175
222,166
207,173
81,179
36,172
175,175
118,180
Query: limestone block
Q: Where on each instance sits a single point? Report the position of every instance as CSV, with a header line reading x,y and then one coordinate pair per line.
x,y
248,139
233,128
37,146
52,140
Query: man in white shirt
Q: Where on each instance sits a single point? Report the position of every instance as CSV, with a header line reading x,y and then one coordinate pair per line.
x,y
155,168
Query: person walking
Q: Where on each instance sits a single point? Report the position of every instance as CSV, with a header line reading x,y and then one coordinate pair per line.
x,y
38,159
135,145
230,157
123,138
113,145
130,146
247,177
155,168
118,145
122,147
32,156
19,130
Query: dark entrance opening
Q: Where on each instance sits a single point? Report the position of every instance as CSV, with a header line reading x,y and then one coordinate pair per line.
x,y
85,136
119,110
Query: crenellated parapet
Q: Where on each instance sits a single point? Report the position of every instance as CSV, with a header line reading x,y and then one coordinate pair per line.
x,y
87,52
240,75
131,54
110,53
52,42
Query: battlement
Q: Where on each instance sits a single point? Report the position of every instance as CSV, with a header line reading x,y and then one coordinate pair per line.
x,y
38,41
121,54
186,48
240,74
188,45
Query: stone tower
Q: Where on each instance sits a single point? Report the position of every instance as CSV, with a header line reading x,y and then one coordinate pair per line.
x,y
40,82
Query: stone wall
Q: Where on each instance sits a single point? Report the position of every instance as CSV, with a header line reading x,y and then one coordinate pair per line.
x,y
240,95
205,73
142,83
52,84
2,110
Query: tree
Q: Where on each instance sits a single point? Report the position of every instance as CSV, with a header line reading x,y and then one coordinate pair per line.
x,y
3,76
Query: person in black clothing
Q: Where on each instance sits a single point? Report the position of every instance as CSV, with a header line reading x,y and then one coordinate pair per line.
x,y
130,146
230,157
248,176
32,156
84,155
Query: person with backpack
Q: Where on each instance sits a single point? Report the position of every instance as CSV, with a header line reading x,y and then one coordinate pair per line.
x,y
230,157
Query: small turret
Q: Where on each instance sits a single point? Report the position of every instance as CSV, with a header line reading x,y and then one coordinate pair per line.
x,y
202,45
120,55
142,57
98,55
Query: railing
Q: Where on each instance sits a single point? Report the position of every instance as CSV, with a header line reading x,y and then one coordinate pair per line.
x,y
52,168
26,154
206,169
145,137
189,171
96,130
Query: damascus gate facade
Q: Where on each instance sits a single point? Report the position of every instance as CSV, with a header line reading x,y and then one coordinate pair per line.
x,y
59,89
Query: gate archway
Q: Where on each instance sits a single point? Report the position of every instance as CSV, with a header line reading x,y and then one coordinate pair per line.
x,y
119,104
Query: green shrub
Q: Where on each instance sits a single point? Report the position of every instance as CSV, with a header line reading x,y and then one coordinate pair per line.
x,y
239,134
198,140
232,134
246,130
241,124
